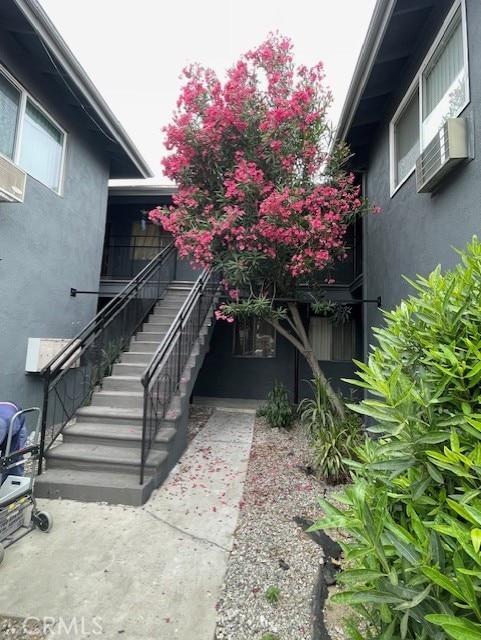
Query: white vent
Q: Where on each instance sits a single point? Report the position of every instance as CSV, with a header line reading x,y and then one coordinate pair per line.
x,y
12,181
448,148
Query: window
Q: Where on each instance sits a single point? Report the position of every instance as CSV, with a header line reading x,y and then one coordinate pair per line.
x,y
444,80
147,240
405,130
254,338
332,341
29,137
439,91
9,107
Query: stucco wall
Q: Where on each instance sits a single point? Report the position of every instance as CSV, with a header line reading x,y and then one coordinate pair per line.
x,y
416,232
49,244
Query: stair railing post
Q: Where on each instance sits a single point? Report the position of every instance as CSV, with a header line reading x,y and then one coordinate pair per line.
x,y
179,355
43,429
143,450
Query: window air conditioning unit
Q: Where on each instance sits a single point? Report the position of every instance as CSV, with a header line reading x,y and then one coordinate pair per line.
x,y
12,181
448,148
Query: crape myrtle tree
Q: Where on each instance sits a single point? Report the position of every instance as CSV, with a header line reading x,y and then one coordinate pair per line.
x,y
263,197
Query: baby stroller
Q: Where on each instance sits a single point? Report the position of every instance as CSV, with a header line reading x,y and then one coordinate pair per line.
x,y
18,510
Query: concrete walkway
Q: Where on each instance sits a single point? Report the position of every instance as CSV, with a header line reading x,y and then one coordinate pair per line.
x,y
153,572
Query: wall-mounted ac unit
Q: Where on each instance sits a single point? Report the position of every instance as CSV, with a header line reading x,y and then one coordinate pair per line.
x,y
449,147
12,181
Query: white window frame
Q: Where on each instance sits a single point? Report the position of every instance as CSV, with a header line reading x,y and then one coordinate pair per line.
x,y
393,161
17,144
417,85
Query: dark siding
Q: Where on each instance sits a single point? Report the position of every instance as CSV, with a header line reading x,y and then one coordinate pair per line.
x,y
416,232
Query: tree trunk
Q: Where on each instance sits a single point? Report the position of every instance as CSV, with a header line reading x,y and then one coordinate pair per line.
x,y
301,342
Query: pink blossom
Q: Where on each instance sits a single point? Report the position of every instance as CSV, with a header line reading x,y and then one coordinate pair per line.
x,y
250,167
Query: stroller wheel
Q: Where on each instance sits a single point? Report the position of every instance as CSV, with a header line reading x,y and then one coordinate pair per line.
x,y
43,520
2,552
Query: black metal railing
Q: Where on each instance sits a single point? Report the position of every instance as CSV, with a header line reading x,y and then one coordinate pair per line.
x,y
78,370
125,256
163,377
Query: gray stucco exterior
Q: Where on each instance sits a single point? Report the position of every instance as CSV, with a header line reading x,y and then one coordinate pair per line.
x,y
50,242
414,232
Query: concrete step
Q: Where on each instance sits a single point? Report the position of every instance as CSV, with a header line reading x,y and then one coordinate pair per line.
x,y
130,368
93,486
95,457
136,357
174,296
109,415
157,323
179,284
150,336
167,314
123,435
143,346
118,399
122,383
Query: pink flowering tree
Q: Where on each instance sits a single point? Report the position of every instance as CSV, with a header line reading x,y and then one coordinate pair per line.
x,y
262,194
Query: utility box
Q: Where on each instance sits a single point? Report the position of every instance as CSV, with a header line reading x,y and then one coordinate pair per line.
x,y
41,351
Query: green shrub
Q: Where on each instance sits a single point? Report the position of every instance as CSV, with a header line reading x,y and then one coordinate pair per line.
x,y
278,411
414,509
272,594
316,413
334,439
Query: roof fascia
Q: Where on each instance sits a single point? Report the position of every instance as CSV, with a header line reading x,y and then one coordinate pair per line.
x,y
46,30
142,190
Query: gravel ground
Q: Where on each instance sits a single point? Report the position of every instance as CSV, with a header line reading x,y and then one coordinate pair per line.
x,y
272,555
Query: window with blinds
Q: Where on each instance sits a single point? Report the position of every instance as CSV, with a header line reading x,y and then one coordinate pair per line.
x,y
439,91
28,136
332,341
405,131
444,81
147,240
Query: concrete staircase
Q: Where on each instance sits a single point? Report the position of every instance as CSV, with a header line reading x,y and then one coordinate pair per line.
x,y
99,456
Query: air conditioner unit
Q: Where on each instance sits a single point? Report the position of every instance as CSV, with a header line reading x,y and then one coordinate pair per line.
x,y
449,147
12,181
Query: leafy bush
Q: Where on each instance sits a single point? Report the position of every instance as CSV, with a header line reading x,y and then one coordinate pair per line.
x,y
316,413
334,439
278,411
414,510
273,594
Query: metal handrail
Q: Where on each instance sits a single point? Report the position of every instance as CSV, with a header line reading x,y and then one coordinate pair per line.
x,y
79,368
162,377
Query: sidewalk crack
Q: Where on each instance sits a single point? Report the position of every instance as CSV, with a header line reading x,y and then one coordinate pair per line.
x,y
186,533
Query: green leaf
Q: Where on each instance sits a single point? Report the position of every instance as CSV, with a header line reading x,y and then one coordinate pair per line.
x,y
435,474
442,581
476,539
405,550
466,511
434,437
365,597
353,576
422,595
334,522
457,628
